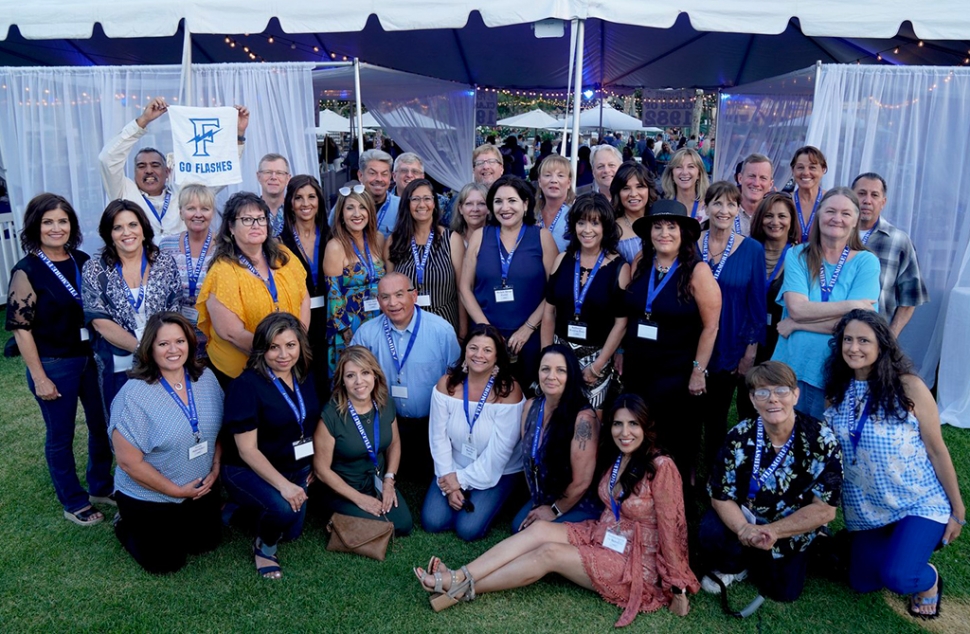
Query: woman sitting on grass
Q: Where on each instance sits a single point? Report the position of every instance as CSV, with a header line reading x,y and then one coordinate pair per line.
x,y
634,555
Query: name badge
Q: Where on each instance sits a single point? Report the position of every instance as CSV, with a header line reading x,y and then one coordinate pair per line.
x,y
139,332
370,305
748,515
198,449
424,301
647,330
576,330
191,314
468,450
769,319
614,542
318,302
123,363
378,483
399,391
85,335
303,448
504,294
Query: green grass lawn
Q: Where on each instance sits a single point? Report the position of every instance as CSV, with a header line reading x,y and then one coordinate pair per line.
x,y
56,576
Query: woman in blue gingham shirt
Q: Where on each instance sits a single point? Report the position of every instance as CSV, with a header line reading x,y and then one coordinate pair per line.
x,y
901,497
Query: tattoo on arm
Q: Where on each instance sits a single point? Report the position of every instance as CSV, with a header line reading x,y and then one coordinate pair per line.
x,y
584,432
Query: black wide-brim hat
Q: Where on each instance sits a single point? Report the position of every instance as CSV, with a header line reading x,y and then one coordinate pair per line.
x,y
668,210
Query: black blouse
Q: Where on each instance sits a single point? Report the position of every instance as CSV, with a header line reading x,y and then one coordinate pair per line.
x,y
39,303
253,402
601,307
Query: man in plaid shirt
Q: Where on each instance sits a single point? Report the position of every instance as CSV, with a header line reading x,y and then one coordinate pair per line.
x,y
902,286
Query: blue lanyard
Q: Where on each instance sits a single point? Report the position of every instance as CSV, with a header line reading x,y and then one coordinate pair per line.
x,y
613,477
828,286
371,451
555,220
737,222
653,290
780,263
368,264
506,261
856,434
399,363
269,281
481,404
422,262
798,205
159,216
693,213
189,410
757,476
539,419
580,296
315,264
383,212
867,235
298,408
74,291
195,274
136,304
724,256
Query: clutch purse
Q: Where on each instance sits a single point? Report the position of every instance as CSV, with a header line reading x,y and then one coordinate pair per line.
x,y
359,535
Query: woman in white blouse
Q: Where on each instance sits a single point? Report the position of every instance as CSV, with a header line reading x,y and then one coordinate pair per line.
x,y
474,434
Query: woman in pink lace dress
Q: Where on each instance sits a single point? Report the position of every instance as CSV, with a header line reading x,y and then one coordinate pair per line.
x,y
634,555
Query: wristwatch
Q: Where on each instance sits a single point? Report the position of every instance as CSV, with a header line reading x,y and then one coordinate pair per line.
x,y
555,509
390,474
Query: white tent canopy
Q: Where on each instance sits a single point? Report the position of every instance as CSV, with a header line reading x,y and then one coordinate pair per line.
x,y
532,119
330,121
612,119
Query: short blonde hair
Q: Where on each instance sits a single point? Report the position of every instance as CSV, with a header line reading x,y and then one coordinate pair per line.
x,y
552,161
199,192
486,148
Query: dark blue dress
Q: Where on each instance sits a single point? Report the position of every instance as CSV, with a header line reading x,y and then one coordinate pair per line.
x,y
743,305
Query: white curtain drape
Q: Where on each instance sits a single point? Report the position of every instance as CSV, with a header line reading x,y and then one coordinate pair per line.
x,y
769,117
433,118
912,126
54,122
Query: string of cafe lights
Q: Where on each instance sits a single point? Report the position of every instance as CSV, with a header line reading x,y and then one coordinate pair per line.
x,y
883,55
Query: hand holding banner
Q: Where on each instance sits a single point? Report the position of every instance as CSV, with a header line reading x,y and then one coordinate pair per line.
x,y
204,144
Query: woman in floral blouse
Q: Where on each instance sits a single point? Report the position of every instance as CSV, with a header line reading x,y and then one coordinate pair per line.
x,y
776,482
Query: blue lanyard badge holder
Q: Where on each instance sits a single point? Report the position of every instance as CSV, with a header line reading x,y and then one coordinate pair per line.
x,y
576,329
505,292
612,539
647,329
420,266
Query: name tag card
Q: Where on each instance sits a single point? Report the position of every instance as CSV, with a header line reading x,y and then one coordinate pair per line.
x,y
504,294
399,391
139,333
303,448
576,330
191,314
647,330
198,449
318,302
614,542
378,483
85,335
468,450
748,515
424,301
370,305
769,319
123,363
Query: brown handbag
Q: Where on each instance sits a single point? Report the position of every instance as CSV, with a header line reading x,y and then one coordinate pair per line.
x,y
365,537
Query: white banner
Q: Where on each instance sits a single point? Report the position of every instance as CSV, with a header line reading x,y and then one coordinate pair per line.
x,y
205,146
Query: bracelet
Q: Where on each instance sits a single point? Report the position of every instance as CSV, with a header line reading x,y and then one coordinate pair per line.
x,y
958,520
531,327
598,375
240,138
390,474
697,366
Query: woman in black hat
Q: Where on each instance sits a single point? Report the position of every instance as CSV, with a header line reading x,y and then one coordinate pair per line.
x,y
673,307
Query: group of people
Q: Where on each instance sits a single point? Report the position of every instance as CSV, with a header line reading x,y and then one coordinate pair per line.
x,y
296,352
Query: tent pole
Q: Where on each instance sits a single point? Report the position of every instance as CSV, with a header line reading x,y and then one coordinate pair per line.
x,y
360,116
186,85
569,80
577,98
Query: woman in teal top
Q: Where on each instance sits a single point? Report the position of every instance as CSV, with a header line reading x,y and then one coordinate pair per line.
x,y
356,456
825,278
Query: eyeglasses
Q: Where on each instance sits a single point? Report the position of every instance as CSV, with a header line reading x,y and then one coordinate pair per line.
x,y
428,200
249,221
763,393
487,162
409,171
345,191
276,173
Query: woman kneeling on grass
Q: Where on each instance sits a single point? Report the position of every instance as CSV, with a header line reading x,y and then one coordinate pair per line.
x,y
634,555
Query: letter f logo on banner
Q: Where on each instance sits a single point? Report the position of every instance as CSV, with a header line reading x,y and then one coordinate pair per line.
x,y
205,131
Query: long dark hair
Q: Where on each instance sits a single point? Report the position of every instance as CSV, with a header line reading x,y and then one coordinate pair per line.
x,y
504,381
297,183
34,215
885,376
641,461
226,247
269,329
404,229
687,258
587,207
562,423
522,188
109,254
620,179
145,368
769,201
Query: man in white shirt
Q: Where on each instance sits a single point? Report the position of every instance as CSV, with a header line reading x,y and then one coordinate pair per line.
x,y
150,188
756,182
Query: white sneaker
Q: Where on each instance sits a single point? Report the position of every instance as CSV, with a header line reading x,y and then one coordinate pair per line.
x,y
709,585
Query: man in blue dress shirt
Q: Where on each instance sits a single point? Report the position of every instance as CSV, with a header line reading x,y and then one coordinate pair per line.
x,y
415,348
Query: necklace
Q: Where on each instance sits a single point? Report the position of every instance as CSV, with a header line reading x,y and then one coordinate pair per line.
x,y
178,386
663,269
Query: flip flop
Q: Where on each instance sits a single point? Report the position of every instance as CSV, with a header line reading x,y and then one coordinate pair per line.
x,y
916,601
270,569
85,517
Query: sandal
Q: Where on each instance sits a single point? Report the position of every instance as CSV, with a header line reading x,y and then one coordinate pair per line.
x,y
273,570
431,569
916,601
88,516
103,499
464,591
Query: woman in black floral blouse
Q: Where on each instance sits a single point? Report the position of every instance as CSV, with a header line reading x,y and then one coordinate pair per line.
x,y
775,484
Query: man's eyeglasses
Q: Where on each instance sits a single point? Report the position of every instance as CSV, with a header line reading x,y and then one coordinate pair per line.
x,y
276,173
763,393
487,162
249,221
357,189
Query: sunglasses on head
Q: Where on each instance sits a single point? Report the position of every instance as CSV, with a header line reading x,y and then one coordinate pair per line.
x,y
345,191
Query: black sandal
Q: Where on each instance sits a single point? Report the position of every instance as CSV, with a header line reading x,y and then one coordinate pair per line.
x,y
85,517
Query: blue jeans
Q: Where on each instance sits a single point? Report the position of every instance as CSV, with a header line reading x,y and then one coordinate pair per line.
x,y
811,400
437,516
75,378
573,515
895,556
110,383
275,518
